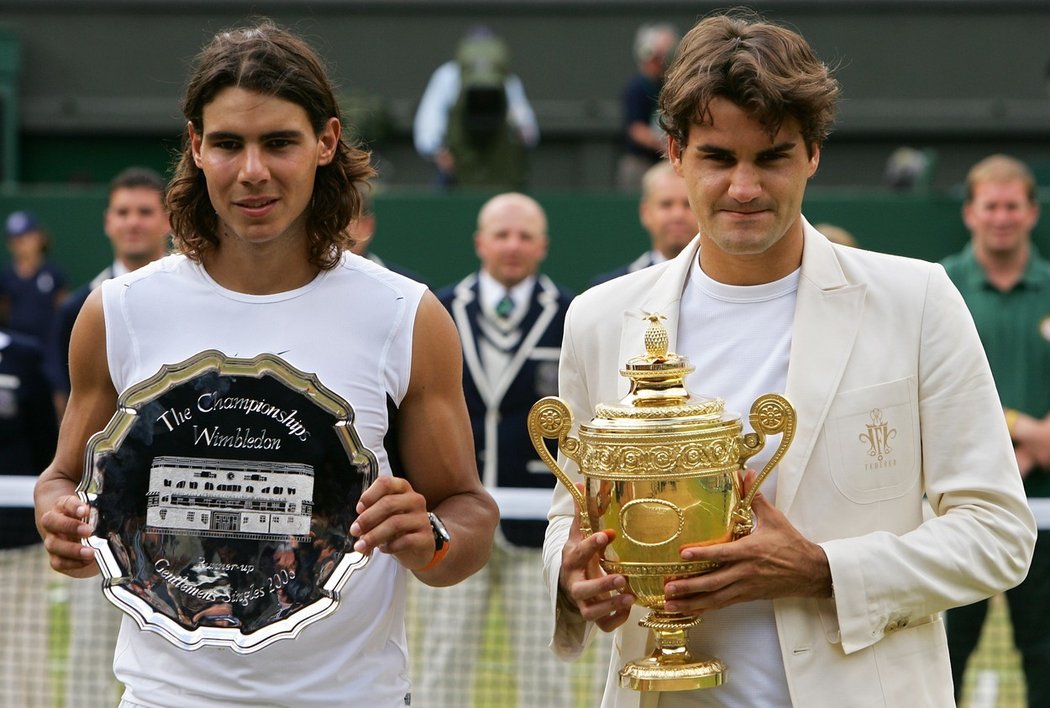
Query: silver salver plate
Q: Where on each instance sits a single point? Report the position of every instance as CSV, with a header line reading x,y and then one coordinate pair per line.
x,y
222,493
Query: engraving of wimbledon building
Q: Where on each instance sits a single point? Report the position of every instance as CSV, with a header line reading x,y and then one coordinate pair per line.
x,y
230,498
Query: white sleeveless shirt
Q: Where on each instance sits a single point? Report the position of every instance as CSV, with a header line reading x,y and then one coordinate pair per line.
x,y
352,326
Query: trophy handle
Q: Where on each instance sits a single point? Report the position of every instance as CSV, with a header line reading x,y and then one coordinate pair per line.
x,y
550,418
770,414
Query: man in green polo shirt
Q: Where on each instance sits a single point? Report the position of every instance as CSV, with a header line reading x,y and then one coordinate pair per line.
x,y
1006,285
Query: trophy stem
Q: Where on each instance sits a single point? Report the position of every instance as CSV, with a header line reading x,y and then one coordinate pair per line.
x,y
671,666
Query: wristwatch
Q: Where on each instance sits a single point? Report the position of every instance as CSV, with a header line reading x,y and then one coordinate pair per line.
x,y
442,541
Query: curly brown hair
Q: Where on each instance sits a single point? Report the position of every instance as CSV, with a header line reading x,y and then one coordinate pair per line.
x,y
275,62
768,70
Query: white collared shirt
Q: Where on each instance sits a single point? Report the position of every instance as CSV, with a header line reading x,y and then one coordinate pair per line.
x,y
500,336
491,291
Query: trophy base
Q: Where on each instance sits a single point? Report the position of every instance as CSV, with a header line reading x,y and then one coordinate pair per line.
x,y
650,674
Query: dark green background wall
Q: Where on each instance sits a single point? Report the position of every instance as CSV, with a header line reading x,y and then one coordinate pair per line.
x,y
590,232
99,80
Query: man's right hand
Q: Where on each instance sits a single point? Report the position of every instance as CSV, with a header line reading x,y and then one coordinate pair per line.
x,y
63,529
598,597
61,516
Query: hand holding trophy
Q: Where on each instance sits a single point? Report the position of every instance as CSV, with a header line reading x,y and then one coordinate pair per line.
x,y
662,468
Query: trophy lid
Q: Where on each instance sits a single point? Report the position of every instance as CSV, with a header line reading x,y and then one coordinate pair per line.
x,y
658,385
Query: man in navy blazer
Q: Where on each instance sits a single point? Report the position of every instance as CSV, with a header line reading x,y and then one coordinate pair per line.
x,y
510,318
665,213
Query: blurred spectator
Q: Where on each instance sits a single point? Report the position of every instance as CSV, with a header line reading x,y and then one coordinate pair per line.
x,y
363,230
136,224
509,317
31,287
1006,285
910,170
28,431
665,213
837,234
644,141
368,122
474,120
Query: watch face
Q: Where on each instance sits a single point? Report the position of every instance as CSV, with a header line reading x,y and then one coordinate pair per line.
x,y
441,536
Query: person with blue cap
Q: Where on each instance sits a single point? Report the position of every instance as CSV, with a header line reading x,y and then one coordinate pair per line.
x,y
31,286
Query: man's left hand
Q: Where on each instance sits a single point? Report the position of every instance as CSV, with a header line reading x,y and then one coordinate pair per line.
x,y
774,561
392,517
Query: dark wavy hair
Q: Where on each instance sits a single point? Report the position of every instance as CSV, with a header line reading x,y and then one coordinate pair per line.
x,y
272,61
768,70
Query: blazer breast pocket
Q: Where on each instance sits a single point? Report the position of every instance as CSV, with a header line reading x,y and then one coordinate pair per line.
x,y
872,438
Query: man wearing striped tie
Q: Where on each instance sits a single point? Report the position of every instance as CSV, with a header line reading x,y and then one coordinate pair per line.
x,y
509,317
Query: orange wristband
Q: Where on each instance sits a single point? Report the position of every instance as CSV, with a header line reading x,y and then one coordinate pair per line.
x,y
439,553
441,541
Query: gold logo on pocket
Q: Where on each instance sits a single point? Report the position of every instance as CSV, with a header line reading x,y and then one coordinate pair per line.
x,y
878,438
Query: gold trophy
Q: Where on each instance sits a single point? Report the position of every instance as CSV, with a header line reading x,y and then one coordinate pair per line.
x,y
663,470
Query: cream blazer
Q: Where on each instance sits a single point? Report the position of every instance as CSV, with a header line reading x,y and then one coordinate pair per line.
x,y
877,339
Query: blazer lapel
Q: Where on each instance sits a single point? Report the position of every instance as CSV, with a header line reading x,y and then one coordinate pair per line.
x,y
827,318
466,309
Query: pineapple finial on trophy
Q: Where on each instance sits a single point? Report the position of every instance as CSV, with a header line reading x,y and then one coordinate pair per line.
x,y
657,341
